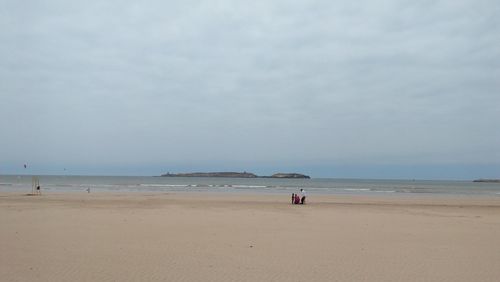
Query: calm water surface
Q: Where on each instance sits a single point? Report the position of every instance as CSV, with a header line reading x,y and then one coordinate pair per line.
x,y
22,184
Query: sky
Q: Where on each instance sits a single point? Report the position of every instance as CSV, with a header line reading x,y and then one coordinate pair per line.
x,y
362,89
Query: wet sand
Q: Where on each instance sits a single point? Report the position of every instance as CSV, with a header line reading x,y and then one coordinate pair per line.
x,y
233,237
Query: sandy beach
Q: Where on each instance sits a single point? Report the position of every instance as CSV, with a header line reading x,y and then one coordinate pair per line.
x,y
233,237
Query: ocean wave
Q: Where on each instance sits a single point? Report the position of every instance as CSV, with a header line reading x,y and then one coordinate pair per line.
x,y
250,186
87,185
164,185
357,189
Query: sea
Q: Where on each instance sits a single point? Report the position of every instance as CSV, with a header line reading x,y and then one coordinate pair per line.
x,y
84,184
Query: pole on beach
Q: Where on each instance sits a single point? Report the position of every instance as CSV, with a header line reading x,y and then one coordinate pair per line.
x,y
32,185
35,182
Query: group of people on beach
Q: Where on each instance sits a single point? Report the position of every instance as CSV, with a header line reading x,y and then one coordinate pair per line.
x,y
296,199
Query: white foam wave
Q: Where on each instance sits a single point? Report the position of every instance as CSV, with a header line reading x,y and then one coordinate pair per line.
x,y
164,185
249,186
88,185
353,189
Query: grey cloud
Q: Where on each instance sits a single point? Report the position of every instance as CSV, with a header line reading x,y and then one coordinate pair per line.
x,y
332,81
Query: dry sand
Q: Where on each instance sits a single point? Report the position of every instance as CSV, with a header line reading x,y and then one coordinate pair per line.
x,y
218,237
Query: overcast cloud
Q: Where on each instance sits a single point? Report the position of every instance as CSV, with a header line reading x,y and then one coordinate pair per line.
x,y
262,85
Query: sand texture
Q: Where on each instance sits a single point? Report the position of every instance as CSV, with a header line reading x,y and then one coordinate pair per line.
x,y
219,237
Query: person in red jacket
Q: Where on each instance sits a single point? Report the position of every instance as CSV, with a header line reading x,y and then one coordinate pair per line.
x,y
297,199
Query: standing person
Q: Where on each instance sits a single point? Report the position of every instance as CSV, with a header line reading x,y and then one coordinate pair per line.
x,y
293,198
303,198
38,191
297,199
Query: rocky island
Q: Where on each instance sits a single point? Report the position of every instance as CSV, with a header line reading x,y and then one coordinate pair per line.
x,y
288,175
487,180
236,175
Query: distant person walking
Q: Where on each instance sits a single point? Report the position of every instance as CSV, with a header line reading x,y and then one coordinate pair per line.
x,y
303,198
38,190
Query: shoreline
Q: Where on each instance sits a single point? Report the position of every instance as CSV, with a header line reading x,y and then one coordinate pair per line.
x,y
262,193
